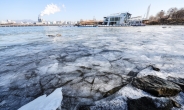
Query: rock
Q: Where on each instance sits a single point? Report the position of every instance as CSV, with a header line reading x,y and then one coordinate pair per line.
x,y
51,35
155,68
147,103
84,106
178,81
156,86
176,104
57,35
133,73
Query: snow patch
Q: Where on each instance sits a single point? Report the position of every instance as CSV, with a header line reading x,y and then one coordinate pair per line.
x,y
51,102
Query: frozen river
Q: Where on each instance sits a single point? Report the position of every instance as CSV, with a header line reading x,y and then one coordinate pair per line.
x,y
32,64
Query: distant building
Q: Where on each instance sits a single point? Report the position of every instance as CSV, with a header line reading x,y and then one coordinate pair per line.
x,y
40,19
117,19
54,22
48,22
58,22
68,22
3,22
64,23
10,22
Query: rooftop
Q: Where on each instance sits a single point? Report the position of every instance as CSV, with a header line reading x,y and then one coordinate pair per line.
x,y
117,14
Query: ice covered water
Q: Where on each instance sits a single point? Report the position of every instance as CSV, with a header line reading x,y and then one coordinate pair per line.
x,y
86,62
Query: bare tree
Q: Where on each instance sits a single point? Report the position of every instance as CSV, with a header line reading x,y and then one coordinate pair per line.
x,y
160,14
151,18
180,14
171,16
171,11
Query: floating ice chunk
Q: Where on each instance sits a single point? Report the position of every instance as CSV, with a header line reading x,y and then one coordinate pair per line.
x,y
52,68
51,102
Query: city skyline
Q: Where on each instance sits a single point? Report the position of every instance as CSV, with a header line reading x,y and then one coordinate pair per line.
x,y
76,10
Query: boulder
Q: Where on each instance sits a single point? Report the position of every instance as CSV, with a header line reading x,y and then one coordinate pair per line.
x,y
156,86
178,81
147,103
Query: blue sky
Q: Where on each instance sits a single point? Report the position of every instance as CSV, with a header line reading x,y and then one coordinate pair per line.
x,y
81,9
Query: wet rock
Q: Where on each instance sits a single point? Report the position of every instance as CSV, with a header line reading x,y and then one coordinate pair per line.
x,y
156,86
51,35
176,104
178,81
146,103
133,73
84,106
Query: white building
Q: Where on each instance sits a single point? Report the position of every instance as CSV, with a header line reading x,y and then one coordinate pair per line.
x,y
136,21
59,22
10,22
47,22
3,22
117,19
64,23
54,22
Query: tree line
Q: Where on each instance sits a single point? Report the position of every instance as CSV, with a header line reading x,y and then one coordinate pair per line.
x,y
172,16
